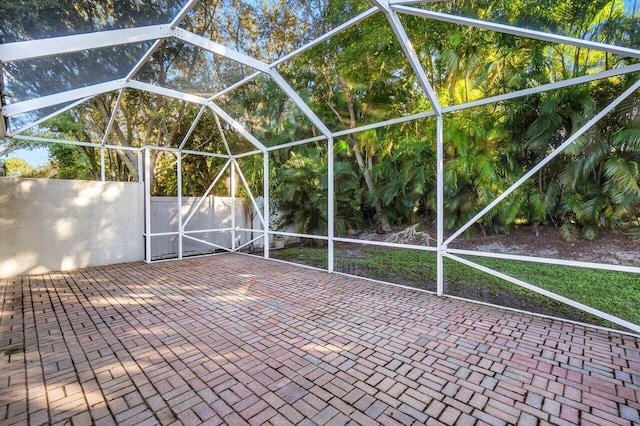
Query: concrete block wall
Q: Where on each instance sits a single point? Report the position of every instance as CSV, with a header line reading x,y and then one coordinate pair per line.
x,y
51,225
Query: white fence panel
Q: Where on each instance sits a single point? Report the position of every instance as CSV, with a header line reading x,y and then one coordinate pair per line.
x,y
212,223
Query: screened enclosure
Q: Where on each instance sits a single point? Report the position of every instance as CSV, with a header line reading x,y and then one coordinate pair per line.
x,y
359,133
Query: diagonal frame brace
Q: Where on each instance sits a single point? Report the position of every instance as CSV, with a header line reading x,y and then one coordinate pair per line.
x,y
293,95
246,187
410,53
546,160
547,293
204,196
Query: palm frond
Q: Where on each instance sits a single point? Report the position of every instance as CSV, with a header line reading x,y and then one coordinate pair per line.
x,y
590,232
633,232
628,139
624,174
568,232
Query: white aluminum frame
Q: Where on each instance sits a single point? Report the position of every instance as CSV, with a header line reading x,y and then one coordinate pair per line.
x,y
364,15
546,160
33,49
20,51
47,117
523,32
410,53
62,97
179,201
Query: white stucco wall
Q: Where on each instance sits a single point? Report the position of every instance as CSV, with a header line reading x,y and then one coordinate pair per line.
x,y
51,225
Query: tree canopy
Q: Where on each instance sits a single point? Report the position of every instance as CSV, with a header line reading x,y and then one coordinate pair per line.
x,y
384,176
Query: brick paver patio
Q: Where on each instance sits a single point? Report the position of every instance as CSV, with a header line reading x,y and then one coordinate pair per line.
x,y
238,340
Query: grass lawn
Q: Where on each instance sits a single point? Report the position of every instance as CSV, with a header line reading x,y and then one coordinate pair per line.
x,y
616,293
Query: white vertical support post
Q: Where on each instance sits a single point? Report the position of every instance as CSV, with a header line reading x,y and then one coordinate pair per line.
x,y
179,213
440,205
330,205
421,76
140,171
147,203
232,170
265,202
103,175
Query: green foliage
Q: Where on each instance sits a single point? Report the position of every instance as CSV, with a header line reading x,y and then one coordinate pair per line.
x,y
587,189
300,186
633,232
405,175
300,193
72,162
16,167
595,185
386,176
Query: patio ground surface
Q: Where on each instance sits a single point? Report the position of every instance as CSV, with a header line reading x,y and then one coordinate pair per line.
x,y
239,340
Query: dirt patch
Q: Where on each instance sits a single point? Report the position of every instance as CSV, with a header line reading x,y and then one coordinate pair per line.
x,y
609,247
545,241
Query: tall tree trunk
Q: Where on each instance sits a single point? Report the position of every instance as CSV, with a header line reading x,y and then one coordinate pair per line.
x,y
365,167
127,157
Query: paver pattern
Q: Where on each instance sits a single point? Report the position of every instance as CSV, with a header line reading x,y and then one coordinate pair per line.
x,y
239,340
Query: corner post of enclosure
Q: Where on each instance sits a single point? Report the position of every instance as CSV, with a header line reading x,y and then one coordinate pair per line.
x,y
440,204
232,170
265,203
330,205
179,212
147,203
